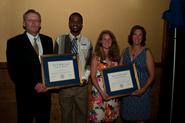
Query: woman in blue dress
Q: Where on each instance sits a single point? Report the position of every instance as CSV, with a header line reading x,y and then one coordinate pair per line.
x,y
136,107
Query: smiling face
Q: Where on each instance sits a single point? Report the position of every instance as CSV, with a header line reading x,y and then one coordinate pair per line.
x,y
32,23
75,24
137,37
106,41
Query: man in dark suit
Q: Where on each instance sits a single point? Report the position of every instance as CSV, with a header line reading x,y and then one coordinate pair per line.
x,y
23,59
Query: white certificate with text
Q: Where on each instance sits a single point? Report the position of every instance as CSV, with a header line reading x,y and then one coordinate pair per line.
x,y
61,70
120,80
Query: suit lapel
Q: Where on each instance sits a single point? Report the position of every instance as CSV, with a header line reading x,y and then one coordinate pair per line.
x,y
28,48
42,43
28,43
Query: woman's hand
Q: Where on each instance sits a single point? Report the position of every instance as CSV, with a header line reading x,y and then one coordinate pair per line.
x,y
104,95
114,63
138,92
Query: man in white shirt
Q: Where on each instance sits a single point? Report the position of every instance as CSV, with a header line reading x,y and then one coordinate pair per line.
x,y
23,53
74,100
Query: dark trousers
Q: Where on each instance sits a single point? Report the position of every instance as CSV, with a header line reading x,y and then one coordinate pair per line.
x,y
33,106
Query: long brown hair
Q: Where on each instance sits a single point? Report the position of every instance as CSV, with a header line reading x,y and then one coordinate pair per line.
x,y
114,51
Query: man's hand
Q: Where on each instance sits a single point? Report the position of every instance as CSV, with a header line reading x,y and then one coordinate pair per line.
x,y
84,82
40,88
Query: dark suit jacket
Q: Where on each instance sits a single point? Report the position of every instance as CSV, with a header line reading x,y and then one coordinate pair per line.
x,y
23,63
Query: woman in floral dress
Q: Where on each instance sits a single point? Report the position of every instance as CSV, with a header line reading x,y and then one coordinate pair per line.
x,y
106,54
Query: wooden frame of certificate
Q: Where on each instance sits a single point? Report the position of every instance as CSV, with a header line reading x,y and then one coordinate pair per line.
x,y
120,80
60,70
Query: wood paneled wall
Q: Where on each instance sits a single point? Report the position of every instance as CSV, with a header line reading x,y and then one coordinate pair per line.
x,y
8,112
8,102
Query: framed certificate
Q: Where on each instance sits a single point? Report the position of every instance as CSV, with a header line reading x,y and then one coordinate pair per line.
x,y
60,70
120,80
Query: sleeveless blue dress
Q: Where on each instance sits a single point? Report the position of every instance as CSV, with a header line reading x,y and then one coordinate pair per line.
x,y
137,107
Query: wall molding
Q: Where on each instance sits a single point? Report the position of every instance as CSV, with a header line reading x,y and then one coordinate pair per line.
x,y
3,65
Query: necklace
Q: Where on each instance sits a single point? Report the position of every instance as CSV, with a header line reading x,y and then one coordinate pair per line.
x,y
135,52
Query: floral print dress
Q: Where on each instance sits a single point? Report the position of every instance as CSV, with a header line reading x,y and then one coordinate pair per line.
x,y
99,109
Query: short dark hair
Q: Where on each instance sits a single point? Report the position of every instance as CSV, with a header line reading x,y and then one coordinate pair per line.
x,y
77,14
134,28
31,11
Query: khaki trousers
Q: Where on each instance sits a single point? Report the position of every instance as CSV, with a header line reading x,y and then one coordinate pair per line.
x,y
74,104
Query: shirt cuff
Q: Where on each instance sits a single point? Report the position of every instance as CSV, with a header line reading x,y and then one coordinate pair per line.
x,y
86,75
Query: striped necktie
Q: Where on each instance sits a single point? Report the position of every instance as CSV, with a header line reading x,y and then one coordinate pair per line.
x,y
74,48
35,45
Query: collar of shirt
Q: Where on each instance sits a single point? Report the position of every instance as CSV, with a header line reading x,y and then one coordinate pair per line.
x,y
71,36
31,37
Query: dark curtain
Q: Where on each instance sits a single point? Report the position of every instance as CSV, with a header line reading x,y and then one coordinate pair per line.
x,y
179,87
173,76
166,83
171,93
